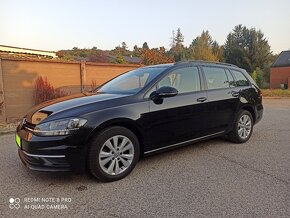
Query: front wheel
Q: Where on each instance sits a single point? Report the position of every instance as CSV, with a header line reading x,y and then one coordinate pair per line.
x,y
113,154
243,127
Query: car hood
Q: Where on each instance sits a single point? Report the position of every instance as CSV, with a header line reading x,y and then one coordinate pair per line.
x,y
69,106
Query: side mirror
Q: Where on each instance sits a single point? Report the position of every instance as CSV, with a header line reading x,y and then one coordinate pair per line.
x,y
164,92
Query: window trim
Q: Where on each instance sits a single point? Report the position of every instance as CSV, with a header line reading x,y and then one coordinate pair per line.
x,y
230,73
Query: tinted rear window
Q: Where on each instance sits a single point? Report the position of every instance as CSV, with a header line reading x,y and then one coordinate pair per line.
x,y
216,78
241,80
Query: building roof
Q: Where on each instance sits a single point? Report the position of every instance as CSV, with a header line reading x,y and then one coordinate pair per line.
x,y
11,49
283,60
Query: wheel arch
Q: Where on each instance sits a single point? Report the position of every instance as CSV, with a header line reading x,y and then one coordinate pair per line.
x,y
122,122
251,110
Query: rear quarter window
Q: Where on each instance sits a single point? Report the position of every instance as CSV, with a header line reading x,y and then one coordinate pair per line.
x,y
241,79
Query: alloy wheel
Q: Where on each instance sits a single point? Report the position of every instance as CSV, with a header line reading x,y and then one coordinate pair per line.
x,y
116,155
244,126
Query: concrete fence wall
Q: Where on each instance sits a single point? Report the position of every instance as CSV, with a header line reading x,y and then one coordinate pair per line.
x,y
17,79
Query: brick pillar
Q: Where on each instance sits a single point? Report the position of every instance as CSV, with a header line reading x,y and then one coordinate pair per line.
x,y
83,76
2,96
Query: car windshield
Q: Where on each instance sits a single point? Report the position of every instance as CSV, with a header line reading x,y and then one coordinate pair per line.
x,y
131,82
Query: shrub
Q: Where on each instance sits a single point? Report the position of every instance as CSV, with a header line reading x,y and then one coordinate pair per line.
x,y
44,91
276,92
93,85
257,76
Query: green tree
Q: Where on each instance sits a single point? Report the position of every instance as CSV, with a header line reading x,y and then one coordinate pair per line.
x,y
247,48
179,39
145,45
136,51
178,51
120,59
257,76
124,46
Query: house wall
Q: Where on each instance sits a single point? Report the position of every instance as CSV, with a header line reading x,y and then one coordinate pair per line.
x,y
17,79
279,75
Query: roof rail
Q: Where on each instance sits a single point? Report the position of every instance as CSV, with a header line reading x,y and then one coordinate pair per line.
x,y
209,62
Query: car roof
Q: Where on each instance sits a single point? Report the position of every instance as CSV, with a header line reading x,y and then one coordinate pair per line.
x,y
205,62
159,66
201,62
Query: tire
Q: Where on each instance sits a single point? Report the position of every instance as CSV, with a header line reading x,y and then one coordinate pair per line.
x,y
113,154
243,127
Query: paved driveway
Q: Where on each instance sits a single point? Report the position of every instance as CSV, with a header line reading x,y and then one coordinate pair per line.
x,y
212,178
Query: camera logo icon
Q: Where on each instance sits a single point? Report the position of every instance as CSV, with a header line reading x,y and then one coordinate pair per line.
x,y
14,203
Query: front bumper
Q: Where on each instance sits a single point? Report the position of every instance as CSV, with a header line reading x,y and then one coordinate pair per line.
x,y
59,153
44,162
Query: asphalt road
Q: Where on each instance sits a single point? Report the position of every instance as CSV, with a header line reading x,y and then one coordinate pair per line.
x,y
212,178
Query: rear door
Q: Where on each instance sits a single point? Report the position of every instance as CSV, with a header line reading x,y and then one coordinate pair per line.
x,y
180,118
222,97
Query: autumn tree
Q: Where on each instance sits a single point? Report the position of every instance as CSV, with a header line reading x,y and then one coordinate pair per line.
x,y
203,48
217,51
155,56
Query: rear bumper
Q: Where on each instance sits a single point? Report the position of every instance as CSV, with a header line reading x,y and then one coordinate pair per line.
x,y
259,113
44,162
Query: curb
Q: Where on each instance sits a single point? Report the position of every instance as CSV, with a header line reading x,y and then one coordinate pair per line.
x,y
7,132
270,97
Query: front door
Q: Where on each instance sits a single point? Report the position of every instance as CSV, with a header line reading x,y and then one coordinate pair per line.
x,y
180,118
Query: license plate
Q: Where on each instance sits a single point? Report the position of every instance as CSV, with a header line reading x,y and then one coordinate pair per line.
x,y
18,140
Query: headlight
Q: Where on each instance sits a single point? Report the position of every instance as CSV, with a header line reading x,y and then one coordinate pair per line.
x,y
59,127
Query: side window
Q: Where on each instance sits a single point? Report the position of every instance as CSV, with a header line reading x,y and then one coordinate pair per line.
x,y
231,80
216,78
241,80
184,80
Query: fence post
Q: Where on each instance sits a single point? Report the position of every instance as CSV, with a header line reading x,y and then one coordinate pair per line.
x,y
2,96
83,76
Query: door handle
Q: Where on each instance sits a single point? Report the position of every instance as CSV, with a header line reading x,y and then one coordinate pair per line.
x,y
201,99
235,93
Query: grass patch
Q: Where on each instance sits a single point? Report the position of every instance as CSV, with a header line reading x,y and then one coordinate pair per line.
x,y
276,92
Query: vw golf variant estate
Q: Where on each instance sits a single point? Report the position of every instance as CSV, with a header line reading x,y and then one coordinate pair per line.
x,y
141,112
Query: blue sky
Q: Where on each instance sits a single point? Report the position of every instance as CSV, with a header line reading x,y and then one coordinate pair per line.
x,y
63,24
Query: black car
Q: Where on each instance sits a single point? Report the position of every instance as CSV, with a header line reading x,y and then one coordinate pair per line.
x,y
138,113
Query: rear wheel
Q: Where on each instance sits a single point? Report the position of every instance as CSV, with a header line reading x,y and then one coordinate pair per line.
x,y
243,127
113,154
